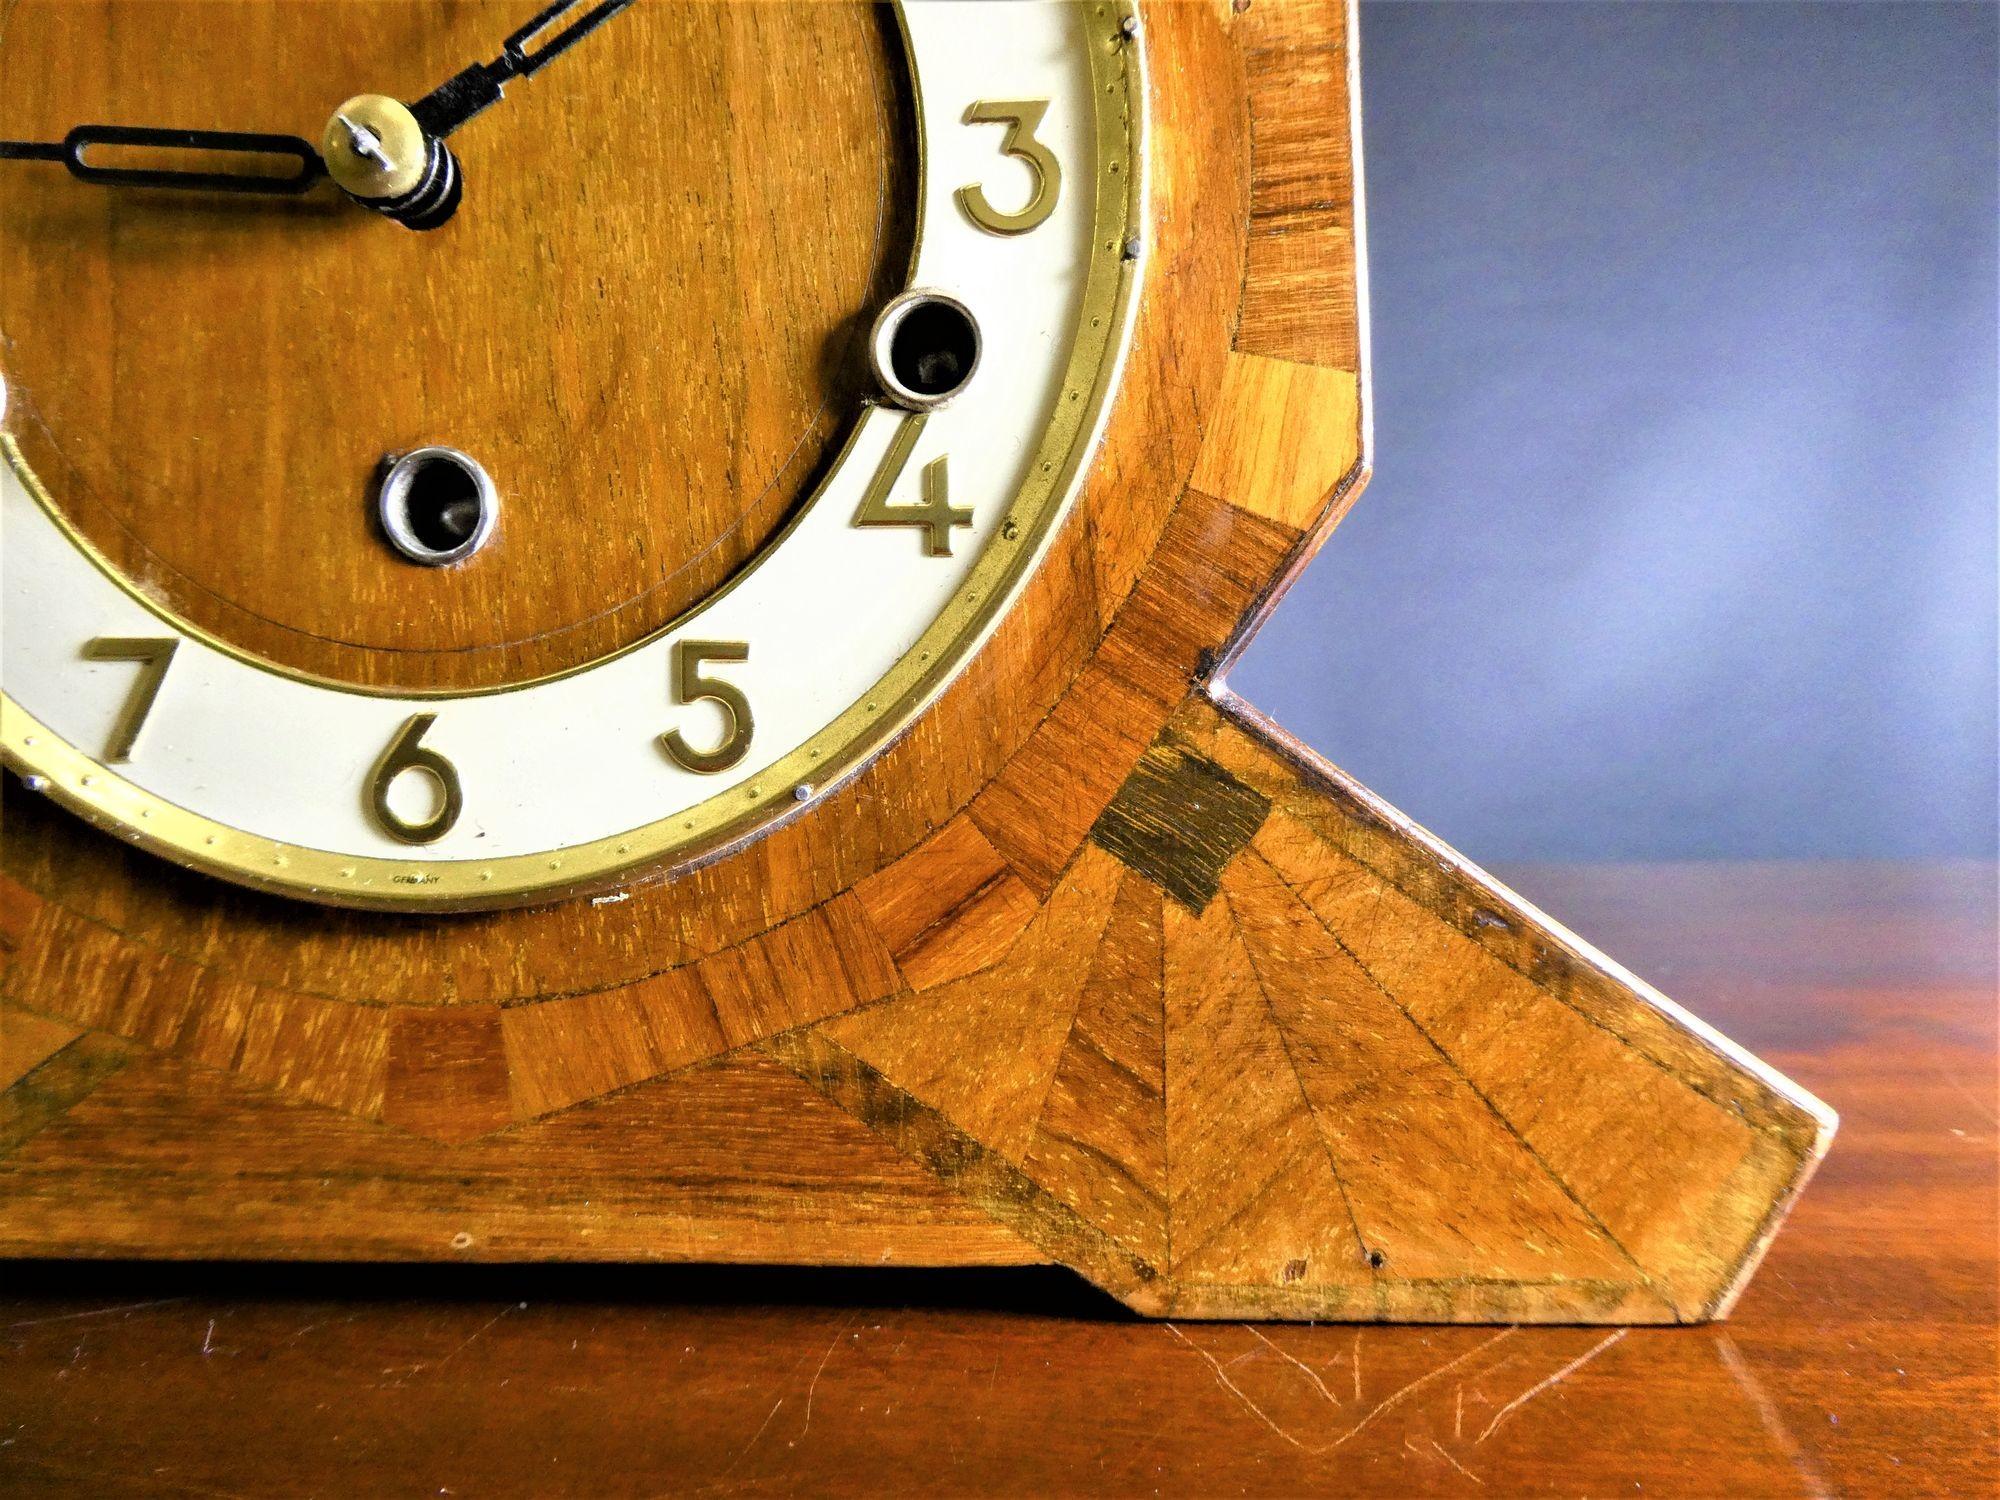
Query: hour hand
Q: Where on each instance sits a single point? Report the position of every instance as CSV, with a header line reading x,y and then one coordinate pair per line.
x,y
306,167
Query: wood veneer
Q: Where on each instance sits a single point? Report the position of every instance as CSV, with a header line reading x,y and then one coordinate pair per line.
x,y
1094,966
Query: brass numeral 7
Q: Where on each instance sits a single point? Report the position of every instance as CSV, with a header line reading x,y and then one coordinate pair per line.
x,y
154,655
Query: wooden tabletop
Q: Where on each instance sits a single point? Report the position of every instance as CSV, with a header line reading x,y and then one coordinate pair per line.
x,y
1861,1361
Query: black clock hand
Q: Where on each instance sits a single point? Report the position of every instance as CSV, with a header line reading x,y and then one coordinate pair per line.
x,y
430,183
69,152
392,157
465,94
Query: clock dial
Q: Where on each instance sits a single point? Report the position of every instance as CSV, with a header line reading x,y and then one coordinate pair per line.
x,y
770,643
644,325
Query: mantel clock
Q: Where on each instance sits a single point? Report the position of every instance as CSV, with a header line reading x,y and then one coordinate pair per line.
x,y
614,627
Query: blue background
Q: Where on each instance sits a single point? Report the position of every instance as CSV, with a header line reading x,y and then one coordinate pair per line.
x,y
1681,542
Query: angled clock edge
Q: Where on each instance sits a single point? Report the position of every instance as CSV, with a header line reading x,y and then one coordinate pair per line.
x,y
1486,912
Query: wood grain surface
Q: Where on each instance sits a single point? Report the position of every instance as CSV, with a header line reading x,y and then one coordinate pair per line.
x,y
1862,1362
1094,967
646,322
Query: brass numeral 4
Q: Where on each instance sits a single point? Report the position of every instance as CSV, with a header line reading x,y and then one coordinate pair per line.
x,y
934,512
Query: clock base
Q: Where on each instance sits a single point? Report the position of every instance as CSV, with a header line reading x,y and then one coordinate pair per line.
x,y
1265,1050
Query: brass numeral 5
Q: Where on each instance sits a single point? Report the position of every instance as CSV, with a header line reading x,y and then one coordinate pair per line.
x,y
154,655
407,752
1021,117
690,686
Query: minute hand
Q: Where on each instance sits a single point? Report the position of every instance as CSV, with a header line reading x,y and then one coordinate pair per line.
x,y
465,94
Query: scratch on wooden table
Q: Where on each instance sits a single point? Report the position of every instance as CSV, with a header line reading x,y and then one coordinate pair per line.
x,y
63,1372
1385,1405
838,1334
1767,1413
1236,1390
1441,1453
99,1312
1544,1384
324,1323
1420,1382
1410,1447
1357,1364
745,1449
1984,1106
477,1334
1285,1354
719,1484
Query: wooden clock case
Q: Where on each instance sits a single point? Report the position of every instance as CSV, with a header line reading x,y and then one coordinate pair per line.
x,y
1094,966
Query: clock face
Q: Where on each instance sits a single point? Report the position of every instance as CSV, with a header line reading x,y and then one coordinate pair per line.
x,y
727,391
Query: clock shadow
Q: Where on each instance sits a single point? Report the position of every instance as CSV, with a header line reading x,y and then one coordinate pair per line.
x,y
165,209
1048,1292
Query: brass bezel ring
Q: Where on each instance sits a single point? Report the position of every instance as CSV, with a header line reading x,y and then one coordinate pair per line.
x,y
712,828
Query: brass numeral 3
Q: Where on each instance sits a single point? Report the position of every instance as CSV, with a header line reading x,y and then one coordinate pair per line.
x,y
1021,117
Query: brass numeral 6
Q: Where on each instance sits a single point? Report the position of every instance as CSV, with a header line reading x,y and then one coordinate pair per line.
x,y
690,686
1021,117
407,752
